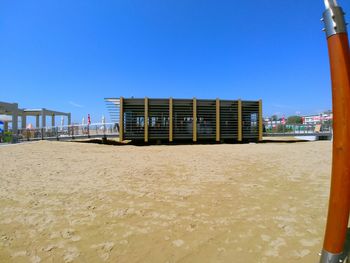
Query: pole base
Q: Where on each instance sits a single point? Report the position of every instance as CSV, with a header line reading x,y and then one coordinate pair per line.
x,y
327,257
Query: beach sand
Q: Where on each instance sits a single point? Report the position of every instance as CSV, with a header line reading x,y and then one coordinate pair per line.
x,y
78,202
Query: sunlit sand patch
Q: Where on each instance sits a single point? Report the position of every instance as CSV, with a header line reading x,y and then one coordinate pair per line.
x,y
67,202
35,259
274,247
178,242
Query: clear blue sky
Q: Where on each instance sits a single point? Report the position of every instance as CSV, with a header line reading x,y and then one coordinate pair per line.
x,y
69,55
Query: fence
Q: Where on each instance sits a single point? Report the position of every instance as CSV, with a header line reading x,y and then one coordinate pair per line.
x,y
296,129
69,132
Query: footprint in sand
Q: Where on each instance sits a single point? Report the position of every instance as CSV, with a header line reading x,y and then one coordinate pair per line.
x,y
301,253
49,248
70,254
190,227
104,249
70,234
275,247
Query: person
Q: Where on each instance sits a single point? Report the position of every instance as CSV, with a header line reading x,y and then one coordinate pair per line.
x,y
1,131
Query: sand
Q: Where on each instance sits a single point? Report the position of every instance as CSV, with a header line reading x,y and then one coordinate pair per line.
x,y
77,202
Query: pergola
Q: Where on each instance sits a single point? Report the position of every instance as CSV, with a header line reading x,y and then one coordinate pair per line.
x,y
43,113
11,109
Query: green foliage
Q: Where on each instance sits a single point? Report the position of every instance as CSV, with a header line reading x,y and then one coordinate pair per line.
x,y
294,120
7,137
282,128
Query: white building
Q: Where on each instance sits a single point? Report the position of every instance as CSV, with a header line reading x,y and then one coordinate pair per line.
x,y
317,119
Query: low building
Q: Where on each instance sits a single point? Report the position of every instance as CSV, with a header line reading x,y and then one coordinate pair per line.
x,y
188,119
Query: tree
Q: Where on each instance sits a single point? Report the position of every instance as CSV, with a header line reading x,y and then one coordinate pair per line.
x,y
274,117
294,120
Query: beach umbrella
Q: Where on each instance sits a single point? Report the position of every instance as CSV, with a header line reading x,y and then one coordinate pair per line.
x,y
339,202
30,126
62,122
103,123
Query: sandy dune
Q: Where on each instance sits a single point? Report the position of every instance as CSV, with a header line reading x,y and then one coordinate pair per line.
x,y
71,202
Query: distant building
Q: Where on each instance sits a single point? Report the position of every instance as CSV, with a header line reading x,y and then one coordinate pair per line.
x,y
318,118
322,118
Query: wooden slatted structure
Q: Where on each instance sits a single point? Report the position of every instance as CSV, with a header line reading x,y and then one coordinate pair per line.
x,y
206,119
169,120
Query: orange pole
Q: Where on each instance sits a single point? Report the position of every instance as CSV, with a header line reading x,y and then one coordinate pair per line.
x,y
339,201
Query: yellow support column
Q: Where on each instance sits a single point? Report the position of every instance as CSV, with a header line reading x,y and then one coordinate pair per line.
x,y
194,119
217,119
146,120
239,120
170,119
260,121
121,119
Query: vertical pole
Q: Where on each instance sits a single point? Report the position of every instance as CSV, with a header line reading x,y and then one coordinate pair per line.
x,y
339,200
194,120
146,120
121,119
43,118
24,121
239,120
43,123
260,121
69,119
14,125
170,119
37,122
53,120
217,119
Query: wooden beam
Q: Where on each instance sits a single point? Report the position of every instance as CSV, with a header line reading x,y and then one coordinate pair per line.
x,y
217,119
240,120
260,121
121,120
146,120
170,119
194,120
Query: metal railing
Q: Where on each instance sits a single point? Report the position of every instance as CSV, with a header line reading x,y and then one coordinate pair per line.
x,y
296,129
73,131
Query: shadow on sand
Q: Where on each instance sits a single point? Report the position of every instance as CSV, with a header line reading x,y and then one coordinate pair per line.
x,y
189,142
346,253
